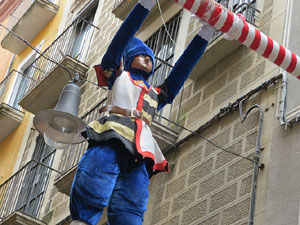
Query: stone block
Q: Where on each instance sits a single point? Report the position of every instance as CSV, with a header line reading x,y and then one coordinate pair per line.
x,y
266,18
232,59
253,75
194,213
176,186
48,217
221,140
267,5
211,184
223,197
236,212
190,104
250,123
190,159
239,168
199,112
158,195
223,96
184,199
60,209
229,119
214,220
172,221
205,78
160,213
240,67
246,185
251,141
200,171
225,157
214,87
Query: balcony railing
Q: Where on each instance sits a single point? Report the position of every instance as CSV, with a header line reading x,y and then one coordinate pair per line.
x,y
74,41
25,190
70,50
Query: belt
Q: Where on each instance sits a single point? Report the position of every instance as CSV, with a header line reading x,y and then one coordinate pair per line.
x,y
134,113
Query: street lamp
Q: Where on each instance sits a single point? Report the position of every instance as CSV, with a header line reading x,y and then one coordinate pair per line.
x,y
61,126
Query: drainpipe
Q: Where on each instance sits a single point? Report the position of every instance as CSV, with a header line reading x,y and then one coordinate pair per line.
x,y
257,165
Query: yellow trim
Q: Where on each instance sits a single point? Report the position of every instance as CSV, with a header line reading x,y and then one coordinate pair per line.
x,y
119,128
151,102
147,115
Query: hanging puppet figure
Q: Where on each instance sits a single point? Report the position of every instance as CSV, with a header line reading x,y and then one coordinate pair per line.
x,y
122,155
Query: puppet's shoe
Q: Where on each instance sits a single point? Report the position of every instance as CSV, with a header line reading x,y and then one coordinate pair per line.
x,y
77,222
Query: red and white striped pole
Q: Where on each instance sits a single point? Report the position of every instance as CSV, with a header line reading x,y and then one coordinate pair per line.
x,y
237,28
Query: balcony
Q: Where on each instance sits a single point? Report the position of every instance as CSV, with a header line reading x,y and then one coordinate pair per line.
x,y
123,7
66,56
10,115
22,195
27,20
219,47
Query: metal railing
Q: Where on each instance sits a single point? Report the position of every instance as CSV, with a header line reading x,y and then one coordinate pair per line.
x,y
74,41
13,87
247,8
24,191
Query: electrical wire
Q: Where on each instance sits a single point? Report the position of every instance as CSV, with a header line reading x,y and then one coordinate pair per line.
x,y
208,140
164,23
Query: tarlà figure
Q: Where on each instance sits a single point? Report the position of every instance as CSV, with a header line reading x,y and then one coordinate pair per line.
x,y
122,155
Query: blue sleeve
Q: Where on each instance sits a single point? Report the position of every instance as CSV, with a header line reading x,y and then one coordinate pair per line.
x,y
116,49
183,67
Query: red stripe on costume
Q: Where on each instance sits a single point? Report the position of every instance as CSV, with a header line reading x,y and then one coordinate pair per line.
x,y
255,44
188,4
139,122
245,32
280,56
202,9
269,48
228,23
215,15
158,90
298,77
163,166
101,78
293,63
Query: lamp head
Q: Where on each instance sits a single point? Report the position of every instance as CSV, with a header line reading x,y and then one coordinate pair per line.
x,y
60,126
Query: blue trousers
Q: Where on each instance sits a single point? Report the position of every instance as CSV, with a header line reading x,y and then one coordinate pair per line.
x,y
107,176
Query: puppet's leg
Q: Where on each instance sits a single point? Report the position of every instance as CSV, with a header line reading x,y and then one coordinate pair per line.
x,y
93,184
128,202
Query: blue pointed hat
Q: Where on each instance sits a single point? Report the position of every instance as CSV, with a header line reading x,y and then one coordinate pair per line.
x,y
137,47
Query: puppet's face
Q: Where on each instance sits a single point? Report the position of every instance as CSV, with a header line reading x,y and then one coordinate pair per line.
x,y
142,62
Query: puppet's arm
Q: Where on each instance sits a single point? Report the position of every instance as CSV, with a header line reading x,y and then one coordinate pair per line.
x,y
115,51
185,64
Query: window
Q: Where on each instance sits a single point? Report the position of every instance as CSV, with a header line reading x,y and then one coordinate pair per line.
x,y
35,179
163,47
20,86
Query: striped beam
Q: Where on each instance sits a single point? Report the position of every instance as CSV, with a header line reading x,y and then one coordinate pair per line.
x,y
237,28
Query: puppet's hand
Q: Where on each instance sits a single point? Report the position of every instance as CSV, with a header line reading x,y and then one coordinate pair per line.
x,y
206,31
148,4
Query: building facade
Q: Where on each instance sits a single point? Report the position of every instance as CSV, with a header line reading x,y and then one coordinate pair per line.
x,y
231,135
